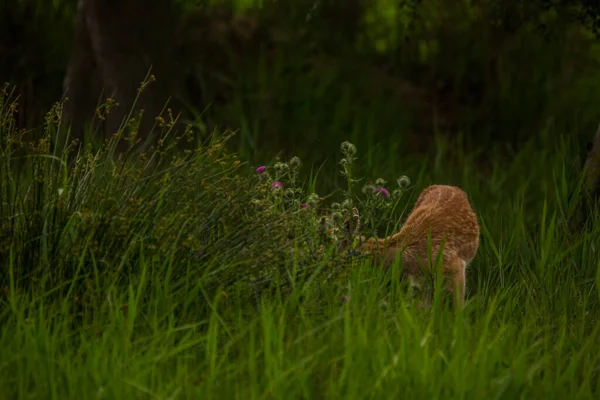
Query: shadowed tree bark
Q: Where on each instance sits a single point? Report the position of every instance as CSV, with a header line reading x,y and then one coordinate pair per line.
x,y
591,167
116,43
589,196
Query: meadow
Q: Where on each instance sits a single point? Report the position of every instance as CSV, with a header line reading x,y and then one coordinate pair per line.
x,y
191,273
207,266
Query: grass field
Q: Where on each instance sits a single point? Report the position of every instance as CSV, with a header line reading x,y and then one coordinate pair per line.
x,y
187,275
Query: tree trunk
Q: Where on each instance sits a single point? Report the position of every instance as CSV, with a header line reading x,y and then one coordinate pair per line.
x,y
116,44
591,169
588,197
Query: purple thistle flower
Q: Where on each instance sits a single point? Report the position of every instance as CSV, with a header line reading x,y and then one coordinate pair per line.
x,y
384,192
277,184
304,205
261,169
345,299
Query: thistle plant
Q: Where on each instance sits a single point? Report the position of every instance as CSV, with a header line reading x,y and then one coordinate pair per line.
x,y
379,204
349,152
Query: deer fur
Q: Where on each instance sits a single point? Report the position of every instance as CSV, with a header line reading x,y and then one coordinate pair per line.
x,y
444,213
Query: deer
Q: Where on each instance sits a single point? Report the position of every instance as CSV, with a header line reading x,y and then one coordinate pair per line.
x,y
441,216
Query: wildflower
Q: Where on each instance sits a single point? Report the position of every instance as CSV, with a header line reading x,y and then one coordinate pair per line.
x,y
277,184
345,299
304,206
261,169
383,191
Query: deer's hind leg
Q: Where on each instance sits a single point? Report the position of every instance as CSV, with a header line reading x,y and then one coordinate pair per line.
x,y
456,271
455,275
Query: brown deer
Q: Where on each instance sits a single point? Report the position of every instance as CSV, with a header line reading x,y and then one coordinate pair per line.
x,y
441,216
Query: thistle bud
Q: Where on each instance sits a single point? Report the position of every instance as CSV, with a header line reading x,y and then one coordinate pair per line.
x,y
403,181
295,163
348,148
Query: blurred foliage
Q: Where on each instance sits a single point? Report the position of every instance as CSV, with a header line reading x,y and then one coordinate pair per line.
x,y
35,38
385,74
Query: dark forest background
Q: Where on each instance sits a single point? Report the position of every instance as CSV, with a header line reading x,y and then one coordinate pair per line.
x,y
388,75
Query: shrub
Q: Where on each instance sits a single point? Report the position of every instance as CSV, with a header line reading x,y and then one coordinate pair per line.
x,y
68,218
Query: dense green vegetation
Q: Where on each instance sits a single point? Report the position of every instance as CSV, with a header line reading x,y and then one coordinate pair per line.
x,y
190,275
185,272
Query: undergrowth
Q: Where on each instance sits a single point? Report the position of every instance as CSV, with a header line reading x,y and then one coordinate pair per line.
x,y
190,274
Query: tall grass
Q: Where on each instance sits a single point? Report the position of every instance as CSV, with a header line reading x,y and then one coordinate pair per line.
x,y
188,275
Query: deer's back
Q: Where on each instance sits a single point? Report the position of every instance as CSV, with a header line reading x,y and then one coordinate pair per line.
x,y
445,213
